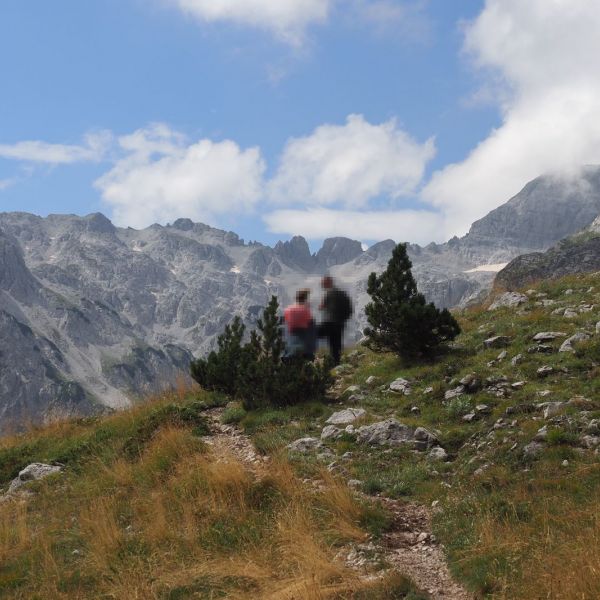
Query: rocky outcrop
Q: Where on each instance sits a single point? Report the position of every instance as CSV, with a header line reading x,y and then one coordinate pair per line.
x,y
579,254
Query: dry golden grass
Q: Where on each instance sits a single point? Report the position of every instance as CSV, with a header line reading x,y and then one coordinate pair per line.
x,y
176,520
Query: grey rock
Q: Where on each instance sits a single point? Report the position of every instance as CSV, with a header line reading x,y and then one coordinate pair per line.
x,y
424,439
454,393
517,385
502,355
551,409
590,441
545,371
598,327
542,434
304,445
570,313
508,299
516,360
385,433
372,380
469,417
330,432
568,344
400,385
346,416
471,383
548,336
33,472
483,409
437,454
497,341
540,349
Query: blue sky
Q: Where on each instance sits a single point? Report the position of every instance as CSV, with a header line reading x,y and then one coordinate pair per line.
x,y
367,118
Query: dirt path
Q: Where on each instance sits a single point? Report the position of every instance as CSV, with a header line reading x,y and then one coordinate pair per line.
x,y
409,546
229,441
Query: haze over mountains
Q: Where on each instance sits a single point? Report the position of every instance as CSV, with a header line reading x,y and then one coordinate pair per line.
x,y
93,316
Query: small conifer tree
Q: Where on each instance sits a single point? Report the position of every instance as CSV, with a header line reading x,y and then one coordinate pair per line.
x,y
400,320
218,372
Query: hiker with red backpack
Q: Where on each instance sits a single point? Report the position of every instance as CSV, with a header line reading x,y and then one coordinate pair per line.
x,y
337,309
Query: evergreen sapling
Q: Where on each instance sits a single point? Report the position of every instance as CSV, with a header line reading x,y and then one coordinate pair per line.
x,y
400,320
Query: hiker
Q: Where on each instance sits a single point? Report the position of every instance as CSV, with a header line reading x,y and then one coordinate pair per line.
x,y
301,334
337,309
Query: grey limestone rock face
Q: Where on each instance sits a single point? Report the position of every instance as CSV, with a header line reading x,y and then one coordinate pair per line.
x,y
93,316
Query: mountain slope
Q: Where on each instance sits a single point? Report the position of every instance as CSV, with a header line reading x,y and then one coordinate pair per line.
x,y
94,315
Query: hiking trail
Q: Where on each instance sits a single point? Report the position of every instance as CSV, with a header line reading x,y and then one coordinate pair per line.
x,y
408,546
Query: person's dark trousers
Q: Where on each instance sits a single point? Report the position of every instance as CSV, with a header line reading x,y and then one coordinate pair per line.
x,y
334,333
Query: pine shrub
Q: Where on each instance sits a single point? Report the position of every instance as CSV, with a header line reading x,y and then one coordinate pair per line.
x,y
256,372
400,320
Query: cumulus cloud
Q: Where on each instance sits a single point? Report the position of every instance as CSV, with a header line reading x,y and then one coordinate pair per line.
x,y
93,149
317,223
287,19
350,164
545,53
162,177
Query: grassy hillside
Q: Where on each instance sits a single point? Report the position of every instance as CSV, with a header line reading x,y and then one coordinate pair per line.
x,y
517,521
147,508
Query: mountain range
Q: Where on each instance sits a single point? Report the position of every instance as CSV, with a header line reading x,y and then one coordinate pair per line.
x,y
94,316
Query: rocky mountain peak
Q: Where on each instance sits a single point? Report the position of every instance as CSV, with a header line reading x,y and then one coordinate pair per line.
x,y
295,253
337,251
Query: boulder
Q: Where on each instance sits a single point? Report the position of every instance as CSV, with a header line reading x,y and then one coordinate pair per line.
x,y
508,299
330,432
497,341
548,336
570,313
385,433
545,371
346,416
516,360
470,382
424,439
304,445
551,409
33,472
372,380
400,385
454,393
567,345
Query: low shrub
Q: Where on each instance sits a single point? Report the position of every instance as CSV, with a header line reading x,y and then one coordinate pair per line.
x,y
257,373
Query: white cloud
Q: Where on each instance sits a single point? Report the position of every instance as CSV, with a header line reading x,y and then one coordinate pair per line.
x,y
162,178
545,52
350,164
93,149
288,19
317,223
